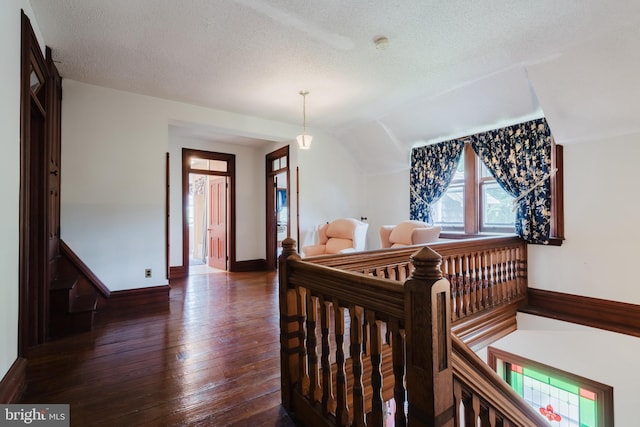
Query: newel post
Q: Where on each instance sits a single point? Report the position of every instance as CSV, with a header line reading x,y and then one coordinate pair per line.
x,y
429,375
289,330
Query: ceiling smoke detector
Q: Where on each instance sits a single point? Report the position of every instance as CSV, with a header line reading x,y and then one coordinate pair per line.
x,y
381,42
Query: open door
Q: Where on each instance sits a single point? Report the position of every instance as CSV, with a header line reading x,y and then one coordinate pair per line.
x,y
217,227
278,209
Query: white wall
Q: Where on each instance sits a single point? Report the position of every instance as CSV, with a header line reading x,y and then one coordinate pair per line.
x,y
582,351
114,145
10,174
331,186
386,202
600,255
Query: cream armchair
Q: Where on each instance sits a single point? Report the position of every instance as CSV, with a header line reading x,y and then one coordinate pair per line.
x,y
339,236
408,233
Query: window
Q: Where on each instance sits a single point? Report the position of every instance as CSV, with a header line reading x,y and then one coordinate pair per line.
x,y
474,202
563,398
449,210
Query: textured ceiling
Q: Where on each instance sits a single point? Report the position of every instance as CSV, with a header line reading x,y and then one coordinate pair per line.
x,y
450,67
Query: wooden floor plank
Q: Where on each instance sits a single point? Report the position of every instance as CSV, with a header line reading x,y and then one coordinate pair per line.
x,y
211,358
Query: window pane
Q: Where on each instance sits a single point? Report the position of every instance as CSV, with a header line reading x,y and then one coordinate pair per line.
x,y
449,210
459,175
218,165
209,165
497,206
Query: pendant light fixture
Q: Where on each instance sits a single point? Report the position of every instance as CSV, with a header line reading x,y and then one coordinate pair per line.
x,y
304,140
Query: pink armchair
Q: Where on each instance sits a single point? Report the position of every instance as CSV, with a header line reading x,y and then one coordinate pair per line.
x,y
339,236
408,233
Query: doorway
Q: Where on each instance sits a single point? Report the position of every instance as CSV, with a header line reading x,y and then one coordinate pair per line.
x,y
278,203
208,211
39,245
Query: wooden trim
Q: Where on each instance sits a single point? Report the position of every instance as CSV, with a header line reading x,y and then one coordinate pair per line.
x,y
609,315
167,216
270,208
482,329
14,382
230,159
178,272
66,251
250,265
137,298
557,194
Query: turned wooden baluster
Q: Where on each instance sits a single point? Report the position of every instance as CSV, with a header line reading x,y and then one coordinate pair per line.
x,y
376,416
457,297
398,355
304,375
462,285
468,290
503,275
477,268
356,314
342,410
315,389
328,401
457,402
513,271
494,277
486,279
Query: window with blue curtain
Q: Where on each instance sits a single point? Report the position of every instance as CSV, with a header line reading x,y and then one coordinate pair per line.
x,y
432,168
519,157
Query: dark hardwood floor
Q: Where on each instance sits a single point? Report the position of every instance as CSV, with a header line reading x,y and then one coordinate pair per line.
x,y
208,358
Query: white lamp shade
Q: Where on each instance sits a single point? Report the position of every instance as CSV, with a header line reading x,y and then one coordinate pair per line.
x,y
304,141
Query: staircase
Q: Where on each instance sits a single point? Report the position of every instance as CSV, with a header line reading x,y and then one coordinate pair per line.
x,y
74,296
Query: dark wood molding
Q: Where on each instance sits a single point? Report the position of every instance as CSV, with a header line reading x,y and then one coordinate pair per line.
x,y
178,272
271,220
230,159
136,298
250,265
14,382
167,219
84,269
604,314
479,330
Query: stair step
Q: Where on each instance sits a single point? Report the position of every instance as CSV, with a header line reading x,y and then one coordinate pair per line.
x,y
84,303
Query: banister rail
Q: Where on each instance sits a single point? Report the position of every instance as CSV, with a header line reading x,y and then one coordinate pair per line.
x,y
363,349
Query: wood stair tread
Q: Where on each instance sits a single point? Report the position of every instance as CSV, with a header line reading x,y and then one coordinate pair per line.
x,y
84,303
65,283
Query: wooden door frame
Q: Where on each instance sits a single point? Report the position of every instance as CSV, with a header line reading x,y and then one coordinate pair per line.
x,y
33,184
230,159
271,234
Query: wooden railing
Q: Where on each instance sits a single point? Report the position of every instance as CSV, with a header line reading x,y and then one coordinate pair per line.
x,y
356,343
488,278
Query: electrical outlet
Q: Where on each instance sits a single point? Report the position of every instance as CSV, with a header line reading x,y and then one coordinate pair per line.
x,y
147,273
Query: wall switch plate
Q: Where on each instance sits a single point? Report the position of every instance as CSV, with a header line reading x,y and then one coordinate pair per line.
x,y
147,273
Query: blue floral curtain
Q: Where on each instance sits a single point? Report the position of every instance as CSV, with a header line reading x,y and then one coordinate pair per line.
x,y
432,169
519,157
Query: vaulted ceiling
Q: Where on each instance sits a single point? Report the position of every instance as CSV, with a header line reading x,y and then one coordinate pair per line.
x,y
450,68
